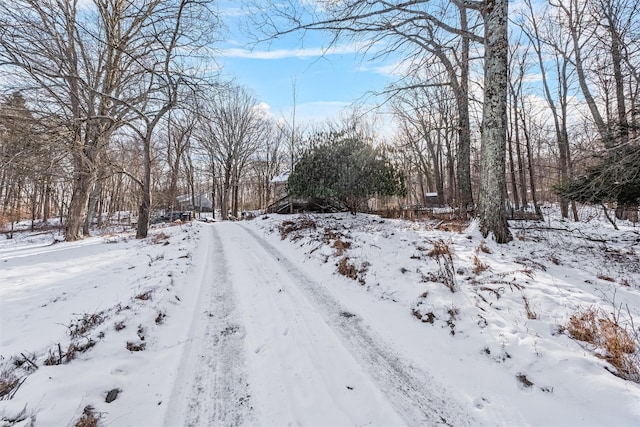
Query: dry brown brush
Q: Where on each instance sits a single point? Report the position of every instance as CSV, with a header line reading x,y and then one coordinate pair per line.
x,y
611,340
442,253
9,382
301,223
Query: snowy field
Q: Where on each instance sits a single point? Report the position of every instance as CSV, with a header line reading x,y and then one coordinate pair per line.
x,y
323,320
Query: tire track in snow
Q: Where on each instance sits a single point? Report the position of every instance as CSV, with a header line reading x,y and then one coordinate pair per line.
x,y
417,397
211,387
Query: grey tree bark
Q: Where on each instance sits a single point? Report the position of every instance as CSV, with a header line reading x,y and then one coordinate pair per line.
x,y
491,201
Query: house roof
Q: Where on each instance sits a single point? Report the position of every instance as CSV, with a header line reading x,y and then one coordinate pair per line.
x,y
282,178
201,200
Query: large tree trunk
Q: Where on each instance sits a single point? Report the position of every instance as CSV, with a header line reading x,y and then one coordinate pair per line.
x,y
85,178
145,204
224,201
491,209
463,171
91,207
616,58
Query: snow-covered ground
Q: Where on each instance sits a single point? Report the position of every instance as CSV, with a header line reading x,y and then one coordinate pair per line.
x,y
332,320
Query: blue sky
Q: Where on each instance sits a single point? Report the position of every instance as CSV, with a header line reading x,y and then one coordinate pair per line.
x,y
326,81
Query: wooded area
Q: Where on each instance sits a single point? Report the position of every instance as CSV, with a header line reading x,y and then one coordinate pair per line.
x,y
107,107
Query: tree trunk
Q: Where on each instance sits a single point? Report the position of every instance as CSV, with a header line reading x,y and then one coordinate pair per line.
x,y
491,209
91,207
576,37
559,121
85,178
616,58
522,175
224,201
142,229
532,180
464,126
512,173
213,191
46,209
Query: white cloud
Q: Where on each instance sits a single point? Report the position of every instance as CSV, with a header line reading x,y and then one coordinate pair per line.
x,y
532,78
395,69
233,12
291,53
264,109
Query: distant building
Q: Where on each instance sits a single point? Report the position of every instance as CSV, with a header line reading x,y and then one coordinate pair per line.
x,y
202,203
279,185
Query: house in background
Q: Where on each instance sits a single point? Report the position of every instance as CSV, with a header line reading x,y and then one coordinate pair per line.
x,y
202,203
283,204
279,186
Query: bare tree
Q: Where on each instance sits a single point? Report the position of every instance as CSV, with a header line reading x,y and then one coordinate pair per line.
x,y
269,161
232,128
179,129
618,18
577,20
408,27
52,48
520,123
558,51
28,159
99,65
426,125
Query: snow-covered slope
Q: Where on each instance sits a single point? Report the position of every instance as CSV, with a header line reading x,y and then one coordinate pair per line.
x,y
79,320
500,340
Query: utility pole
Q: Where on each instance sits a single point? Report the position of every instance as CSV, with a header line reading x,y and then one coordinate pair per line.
x,y
293,137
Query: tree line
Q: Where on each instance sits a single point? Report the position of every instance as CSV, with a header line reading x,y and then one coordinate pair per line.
x,y
108,106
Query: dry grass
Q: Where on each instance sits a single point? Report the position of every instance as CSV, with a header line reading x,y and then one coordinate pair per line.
x,y
442,253
301,223
428,317
136,347
605,278
457,226
340,246
160,318
522,378
440,248
503,279
58,357
160,238
331,234
119,326
88,419
479,266
351,271
612,341
530,313
79,327
453,315
54,359
483,248
347,269
145,296
8,382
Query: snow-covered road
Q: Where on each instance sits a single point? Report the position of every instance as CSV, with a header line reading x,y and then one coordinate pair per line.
x,y
270,343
